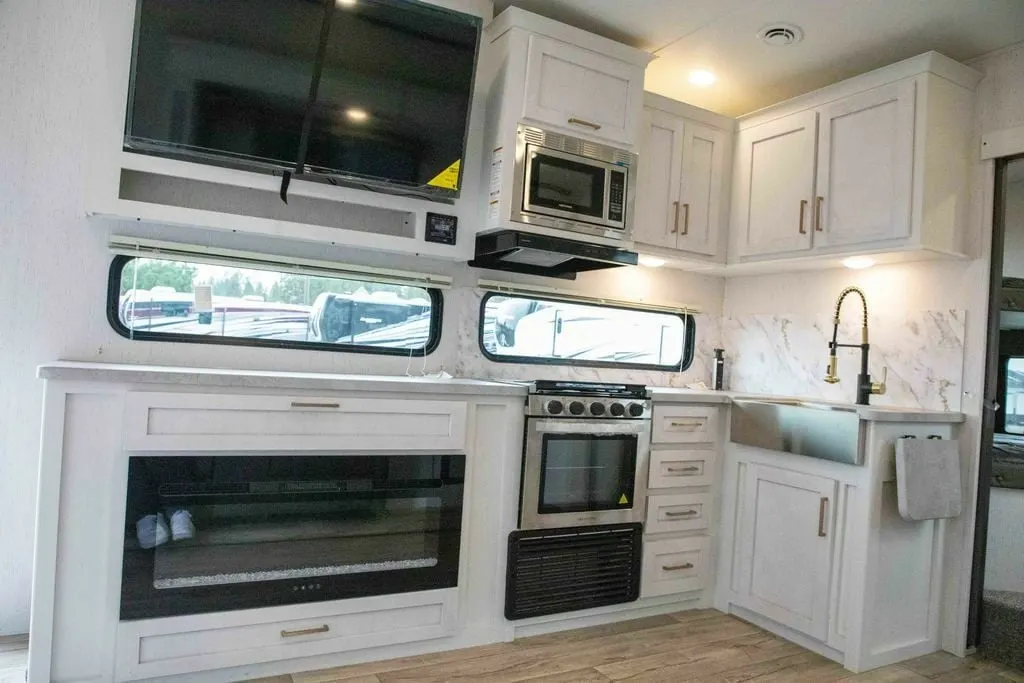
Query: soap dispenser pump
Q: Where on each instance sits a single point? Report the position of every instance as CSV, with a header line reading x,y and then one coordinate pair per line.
x,y
719,370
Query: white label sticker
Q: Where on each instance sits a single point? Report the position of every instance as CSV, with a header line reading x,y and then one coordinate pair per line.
x,y
203,299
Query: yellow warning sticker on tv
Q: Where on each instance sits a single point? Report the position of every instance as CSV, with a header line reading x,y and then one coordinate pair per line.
x,y
623,500
448,178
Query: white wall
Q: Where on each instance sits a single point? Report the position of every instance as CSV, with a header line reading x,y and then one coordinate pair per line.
x,y
53,271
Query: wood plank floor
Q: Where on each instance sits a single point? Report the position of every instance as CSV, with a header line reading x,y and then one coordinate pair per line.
x,y
701,645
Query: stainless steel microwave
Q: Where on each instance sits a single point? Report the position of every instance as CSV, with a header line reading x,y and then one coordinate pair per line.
x,y
574,185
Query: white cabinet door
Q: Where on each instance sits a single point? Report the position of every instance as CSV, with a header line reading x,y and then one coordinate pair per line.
x,y
775,185
865,167
576,89
700,192
784,547
661,162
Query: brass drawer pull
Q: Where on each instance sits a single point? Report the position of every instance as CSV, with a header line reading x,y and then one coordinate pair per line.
x,y
683,469
684,513
688,425
581,122
675,219
313,404
817,215
803,205
686,220
306,631
821,517
676,567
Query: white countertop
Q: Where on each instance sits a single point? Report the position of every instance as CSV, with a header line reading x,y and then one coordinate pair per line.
x,y
315,381
263,379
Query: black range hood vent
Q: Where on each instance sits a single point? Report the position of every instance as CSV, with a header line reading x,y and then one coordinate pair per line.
x,y
533,254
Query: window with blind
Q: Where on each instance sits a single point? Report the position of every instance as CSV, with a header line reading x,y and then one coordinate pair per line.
x,y
528,329
199,301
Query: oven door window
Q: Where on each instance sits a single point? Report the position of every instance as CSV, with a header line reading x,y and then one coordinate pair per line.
x,y
584,473
565,185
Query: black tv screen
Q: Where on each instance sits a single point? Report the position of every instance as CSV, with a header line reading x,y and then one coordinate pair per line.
x,y
229,81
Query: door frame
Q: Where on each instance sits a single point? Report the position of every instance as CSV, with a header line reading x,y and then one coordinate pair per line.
x,y
989,400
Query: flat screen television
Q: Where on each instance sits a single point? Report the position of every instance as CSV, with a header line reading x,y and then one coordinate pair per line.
x,y
231,82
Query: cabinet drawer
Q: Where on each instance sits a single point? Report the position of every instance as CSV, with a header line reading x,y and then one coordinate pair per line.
x,y
179,645
684,424
676,565
683,512
205,422
671,469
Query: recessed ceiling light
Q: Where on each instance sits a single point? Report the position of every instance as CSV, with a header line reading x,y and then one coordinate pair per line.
x,y
345,3
702,78
651,261
859,262
356,115
781,35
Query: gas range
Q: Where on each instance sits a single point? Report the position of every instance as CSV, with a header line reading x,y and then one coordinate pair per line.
x,y
588,400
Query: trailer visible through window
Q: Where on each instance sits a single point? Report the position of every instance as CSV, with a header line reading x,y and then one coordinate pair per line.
x,y
168,300
520,329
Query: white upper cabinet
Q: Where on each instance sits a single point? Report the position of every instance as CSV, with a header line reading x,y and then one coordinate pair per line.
x,y
877,164
683,180
866,167
775,185
572,87
661,162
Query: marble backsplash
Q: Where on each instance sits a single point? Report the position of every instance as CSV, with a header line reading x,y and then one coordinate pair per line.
x,y
771,354
787,355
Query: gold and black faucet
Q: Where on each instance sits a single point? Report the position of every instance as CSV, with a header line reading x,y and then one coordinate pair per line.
x,y
865,387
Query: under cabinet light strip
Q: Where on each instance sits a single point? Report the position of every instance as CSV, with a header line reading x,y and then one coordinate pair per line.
x,y
132,246
569,295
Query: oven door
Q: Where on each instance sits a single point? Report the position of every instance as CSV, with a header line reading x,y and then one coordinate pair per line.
x,y
572,187
583,472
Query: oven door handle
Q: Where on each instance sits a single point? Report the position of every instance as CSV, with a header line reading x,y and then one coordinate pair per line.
x,y
599,427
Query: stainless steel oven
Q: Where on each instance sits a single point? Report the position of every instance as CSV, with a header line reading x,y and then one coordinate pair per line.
x,y
572,184
586,448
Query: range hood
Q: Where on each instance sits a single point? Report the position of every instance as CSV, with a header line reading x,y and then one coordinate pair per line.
x,y
533,254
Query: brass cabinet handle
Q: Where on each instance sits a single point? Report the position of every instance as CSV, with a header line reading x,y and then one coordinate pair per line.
x,y
691,425
580,122
821,517
803,206
817,215
676,567
683,469
686,220
684,513
324,628
675,218
314,404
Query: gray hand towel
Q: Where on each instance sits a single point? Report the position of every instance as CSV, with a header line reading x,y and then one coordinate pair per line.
x,y
928,478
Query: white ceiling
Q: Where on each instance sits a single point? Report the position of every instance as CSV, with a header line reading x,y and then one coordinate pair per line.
x,y
843,38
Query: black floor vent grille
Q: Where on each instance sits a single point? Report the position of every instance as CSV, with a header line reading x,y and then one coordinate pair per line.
x,y
561,570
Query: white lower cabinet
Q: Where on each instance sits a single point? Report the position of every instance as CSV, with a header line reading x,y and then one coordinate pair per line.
x,y
675,565
784,547
679,525
181,645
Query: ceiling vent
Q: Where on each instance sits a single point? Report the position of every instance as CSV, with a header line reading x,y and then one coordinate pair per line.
x,y
781,35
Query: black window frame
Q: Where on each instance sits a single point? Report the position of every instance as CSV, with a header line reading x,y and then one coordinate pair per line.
x,y
120,261
689,339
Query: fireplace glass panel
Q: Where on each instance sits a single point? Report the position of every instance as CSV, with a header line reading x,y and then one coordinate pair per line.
x,y
211,533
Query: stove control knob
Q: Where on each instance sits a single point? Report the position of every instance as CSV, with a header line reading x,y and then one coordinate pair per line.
x,y
636,410
617,410
577,408
597,409
555,407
